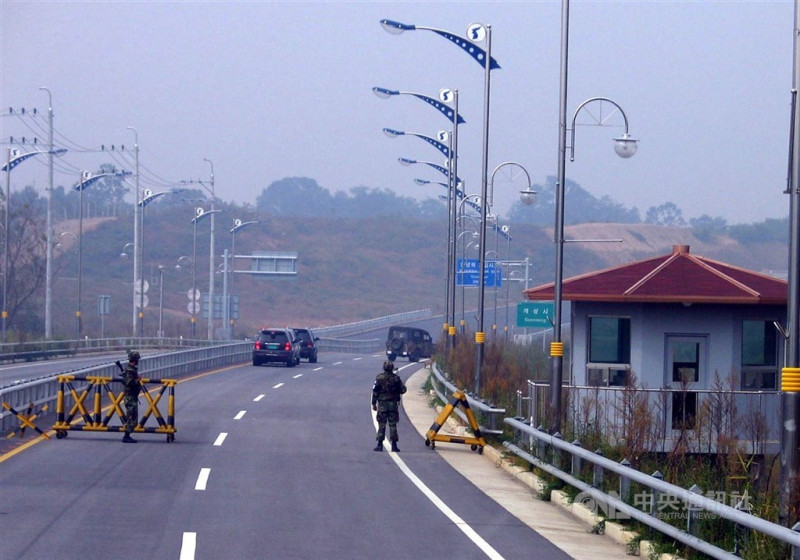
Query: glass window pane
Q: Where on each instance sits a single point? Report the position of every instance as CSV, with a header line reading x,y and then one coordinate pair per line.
x,y
759,343
609,340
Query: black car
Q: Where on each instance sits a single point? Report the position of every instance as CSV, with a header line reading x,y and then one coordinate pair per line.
x,y
276,345
409,342
308,346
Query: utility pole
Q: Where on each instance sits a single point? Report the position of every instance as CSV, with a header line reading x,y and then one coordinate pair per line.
x,y
211,260
48,281
136,213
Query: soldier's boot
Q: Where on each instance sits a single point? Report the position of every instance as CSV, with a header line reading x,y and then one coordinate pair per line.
x,y
394,447
127,438
379,446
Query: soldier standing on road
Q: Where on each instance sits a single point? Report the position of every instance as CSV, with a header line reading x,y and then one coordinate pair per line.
x,y
130,380
385,400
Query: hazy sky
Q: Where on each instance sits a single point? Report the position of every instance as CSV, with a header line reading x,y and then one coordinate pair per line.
x,y
268,90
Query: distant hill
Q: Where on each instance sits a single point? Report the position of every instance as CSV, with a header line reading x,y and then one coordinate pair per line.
x,y
348,269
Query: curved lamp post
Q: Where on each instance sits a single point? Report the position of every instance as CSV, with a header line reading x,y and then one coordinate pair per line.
x,y
237,225
625,147
136,226
86,180
446,97
14,158
479,336
440,106
391,133
195,303
476,32
211,191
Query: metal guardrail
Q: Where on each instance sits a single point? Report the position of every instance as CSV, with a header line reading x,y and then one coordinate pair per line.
x,y
178,364
337,331
45,349
486,411
694,500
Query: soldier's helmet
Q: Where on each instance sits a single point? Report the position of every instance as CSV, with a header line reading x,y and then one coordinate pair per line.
x,y
388,366
133,356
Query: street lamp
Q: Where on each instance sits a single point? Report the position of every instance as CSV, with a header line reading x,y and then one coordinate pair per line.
x,y
391,133
625,147
211,255
85,181
48,275
161,268
486,202
476,32
14,158
237,225
136,223
446,97
148,196
196,304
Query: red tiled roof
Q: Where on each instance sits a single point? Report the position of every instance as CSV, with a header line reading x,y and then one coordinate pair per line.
x,y
677,277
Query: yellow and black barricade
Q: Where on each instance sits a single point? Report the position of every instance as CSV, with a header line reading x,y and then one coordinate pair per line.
x,y
433,435
94,421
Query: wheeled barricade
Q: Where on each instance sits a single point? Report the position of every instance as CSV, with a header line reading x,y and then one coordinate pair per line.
x,y
94,421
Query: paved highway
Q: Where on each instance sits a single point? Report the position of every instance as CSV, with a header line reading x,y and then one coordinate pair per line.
x,y
268,462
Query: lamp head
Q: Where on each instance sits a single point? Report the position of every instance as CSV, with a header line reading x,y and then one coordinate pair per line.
x,y
421,182
625,146
406,161
384,93
395,27
528,196
391,133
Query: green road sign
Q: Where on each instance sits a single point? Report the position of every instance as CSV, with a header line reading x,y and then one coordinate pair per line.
x,y
532,314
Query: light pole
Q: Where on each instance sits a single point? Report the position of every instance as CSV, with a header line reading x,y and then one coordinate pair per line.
x,y
148,196
48,274
136,226
193,296
199,214
237,225
476,32
13,159
446,97
625,147
211,256
486,202
161,268
85,181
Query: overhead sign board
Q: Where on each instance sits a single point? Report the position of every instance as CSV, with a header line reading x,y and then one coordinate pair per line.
x,y
468,273
533,314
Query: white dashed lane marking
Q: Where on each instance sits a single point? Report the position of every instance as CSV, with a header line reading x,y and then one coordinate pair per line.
x,y
239,416
278,386
220,438
188,546
202,479
258,398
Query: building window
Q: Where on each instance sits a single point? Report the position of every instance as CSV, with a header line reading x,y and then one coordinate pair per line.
x,y
759,355
685,361
610,340
609,351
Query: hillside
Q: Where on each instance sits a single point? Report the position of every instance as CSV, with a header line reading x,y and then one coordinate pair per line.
x,y
348,270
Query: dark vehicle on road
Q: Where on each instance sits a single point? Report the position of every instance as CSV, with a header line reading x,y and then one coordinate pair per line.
x,y
308,344
409,342
276,345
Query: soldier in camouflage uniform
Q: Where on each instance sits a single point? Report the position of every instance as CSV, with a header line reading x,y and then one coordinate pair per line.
x,y
385,400
130,380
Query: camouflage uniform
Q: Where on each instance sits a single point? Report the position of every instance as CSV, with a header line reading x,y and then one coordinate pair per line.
x,y
130,380
385,399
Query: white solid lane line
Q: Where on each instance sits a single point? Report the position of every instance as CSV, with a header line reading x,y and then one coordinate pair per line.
x,y
220,438
202,479
188,546
258,398
239,416
471,534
